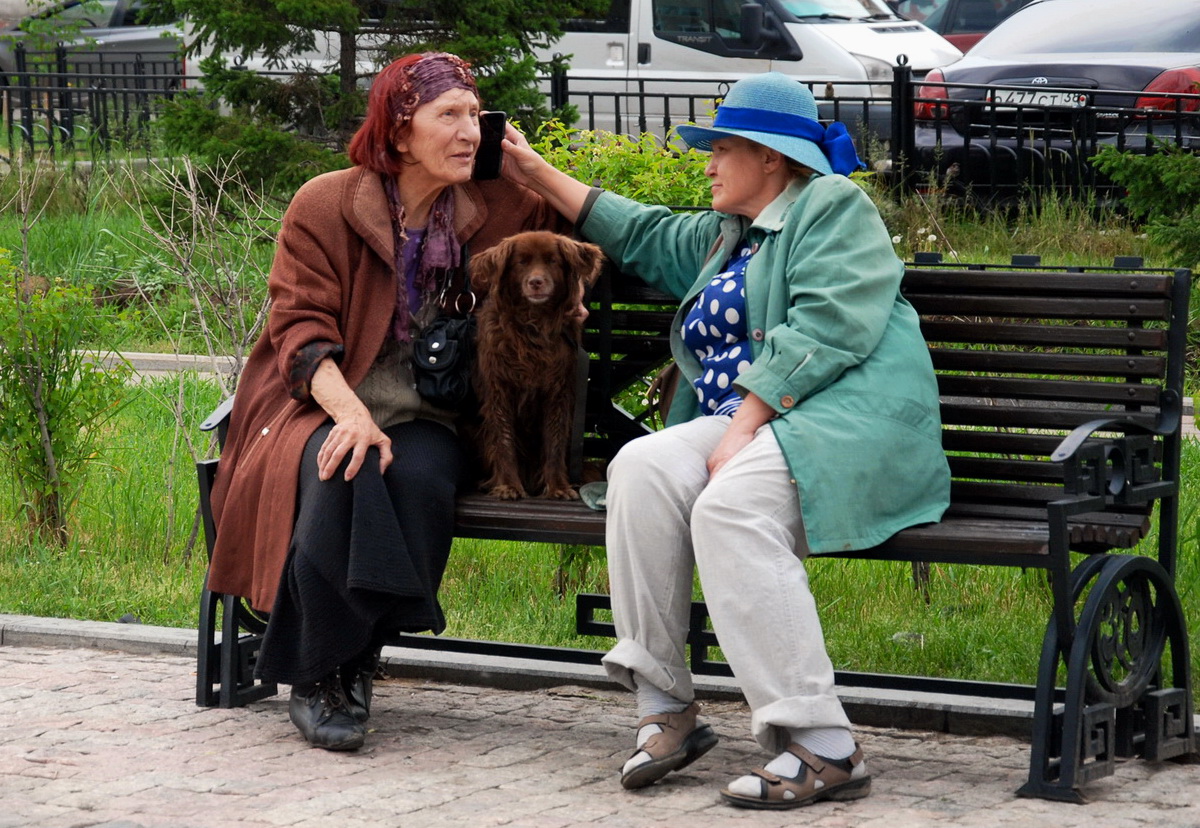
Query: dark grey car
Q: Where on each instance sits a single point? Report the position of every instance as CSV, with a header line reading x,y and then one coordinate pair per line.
x,y
1055,81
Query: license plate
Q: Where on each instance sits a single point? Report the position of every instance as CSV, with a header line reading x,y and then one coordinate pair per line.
x,y
1038,97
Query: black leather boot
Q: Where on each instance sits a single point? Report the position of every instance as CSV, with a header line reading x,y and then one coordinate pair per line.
x,y
357,681
319,711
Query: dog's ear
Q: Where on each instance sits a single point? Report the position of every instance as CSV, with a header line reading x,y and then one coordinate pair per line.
x,y
487,267
581,258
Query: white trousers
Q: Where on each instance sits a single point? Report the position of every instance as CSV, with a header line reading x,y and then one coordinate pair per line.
x,y
744,532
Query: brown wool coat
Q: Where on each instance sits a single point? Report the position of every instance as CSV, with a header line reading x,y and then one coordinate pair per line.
x,y
332,280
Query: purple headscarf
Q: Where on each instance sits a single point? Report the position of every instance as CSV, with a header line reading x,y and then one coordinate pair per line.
x,y
440,253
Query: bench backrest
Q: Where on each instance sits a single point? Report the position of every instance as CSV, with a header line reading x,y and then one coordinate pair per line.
x,y
1023,357
627,336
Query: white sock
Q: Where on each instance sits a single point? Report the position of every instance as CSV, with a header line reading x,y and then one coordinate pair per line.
x,y
829,742
651,701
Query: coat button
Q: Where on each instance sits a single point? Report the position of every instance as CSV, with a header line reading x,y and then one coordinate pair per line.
x,y
757,334
787,401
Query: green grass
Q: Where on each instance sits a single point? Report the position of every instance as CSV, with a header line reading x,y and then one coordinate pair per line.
x,y
128,554
129,551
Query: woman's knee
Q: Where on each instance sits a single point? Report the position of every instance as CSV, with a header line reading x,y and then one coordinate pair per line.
x,y
658,456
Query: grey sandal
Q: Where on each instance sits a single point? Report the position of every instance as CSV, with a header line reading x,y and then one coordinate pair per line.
x,y
681,742
819,778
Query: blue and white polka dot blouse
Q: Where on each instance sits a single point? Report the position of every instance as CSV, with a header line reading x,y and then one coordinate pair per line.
x,y
715,330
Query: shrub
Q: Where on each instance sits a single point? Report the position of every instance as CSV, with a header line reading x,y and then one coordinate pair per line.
x,y
1163,188
54,393
645,167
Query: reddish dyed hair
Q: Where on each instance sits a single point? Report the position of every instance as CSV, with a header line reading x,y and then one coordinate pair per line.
x,y
396,93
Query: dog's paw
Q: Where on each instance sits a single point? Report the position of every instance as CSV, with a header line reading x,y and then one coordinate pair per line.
x,y
566,493
504,492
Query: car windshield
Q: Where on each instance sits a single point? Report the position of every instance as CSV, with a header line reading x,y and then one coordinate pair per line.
x,y
1058,26
97,13
848,9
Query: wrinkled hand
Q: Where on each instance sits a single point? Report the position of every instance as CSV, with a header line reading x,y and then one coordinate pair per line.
x,y
352,435
751,415
579,314
521,163
734,441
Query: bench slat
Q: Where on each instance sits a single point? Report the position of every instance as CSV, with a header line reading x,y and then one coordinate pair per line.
x,y
1020,416
1117,310
1113,393
1037,283
1000,442
990,332
1003,469
996,541
1058,364
531,519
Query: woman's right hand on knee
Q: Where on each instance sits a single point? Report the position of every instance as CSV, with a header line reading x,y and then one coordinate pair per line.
x,y
354,431
353,435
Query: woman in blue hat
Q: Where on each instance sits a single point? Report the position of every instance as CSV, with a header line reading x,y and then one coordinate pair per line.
x,y
813,428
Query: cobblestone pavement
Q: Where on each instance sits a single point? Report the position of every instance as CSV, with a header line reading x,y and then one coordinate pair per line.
x,y
98,738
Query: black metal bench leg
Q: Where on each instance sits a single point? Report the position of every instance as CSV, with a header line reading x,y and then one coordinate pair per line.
x,y
1114,669
239,652
225,667
208,652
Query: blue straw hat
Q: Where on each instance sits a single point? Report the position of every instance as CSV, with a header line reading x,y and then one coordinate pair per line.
x,y
778,112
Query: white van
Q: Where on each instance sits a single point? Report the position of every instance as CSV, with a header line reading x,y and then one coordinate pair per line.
x,y
844,48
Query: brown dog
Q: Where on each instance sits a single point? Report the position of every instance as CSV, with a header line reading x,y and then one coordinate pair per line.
x,y
530,327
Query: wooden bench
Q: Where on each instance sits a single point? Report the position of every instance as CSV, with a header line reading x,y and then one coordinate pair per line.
x,y
1061,404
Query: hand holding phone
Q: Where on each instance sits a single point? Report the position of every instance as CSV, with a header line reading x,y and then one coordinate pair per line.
x,y
490,154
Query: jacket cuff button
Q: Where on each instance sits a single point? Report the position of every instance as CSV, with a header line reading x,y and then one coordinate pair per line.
x,y
787,401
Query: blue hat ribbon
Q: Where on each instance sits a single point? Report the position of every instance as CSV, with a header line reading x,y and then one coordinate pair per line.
x,y
834,141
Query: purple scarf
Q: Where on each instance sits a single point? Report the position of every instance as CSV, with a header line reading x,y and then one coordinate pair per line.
x,y
438,252
437,256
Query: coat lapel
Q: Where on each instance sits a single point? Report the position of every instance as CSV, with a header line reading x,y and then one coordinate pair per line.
x,y
366,211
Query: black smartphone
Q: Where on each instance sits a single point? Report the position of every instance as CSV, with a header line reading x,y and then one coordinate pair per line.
x,y
489,155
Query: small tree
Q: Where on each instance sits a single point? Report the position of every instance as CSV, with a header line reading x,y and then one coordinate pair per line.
x,y
284,129
55,393
498,38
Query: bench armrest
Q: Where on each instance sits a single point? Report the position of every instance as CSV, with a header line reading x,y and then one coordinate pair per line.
x,y
1170,417
218,415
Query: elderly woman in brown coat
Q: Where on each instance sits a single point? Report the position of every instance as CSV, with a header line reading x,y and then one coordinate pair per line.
x,y
335,499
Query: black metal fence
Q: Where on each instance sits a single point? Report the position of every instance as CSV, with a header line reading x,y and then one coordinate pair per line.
x,y
988,141
65,99
1001,142
992,142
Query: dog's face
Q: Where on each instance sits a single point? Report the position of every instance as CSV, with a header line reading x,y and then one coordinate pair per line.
x,y
537,269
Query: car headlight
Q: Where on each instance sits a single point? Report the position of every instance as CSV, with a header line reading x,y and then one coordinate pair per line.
x,y
878,71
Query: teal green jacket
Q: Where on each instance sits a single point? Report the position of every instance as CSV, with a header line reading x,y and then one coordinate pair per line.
x,y
838,352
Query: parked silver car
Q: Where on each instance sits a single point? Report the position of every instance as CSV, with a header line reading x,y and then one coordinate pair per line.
x,y
101,36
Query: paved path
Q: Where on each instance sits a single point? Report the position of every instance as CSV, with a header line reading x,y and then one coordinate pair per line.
x,y
99,738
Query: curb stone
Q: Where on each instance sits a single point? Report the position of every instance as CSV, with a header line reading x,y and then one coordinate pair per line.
x,y
881,708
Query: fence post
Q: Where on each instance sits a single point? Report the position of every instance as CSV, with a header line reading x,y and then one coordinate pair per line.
x,y
26,95
559,91
903,123
63,115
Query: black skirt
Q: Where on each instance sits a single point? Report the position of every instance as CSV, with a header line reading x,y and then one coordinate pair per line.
x,y
367,556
